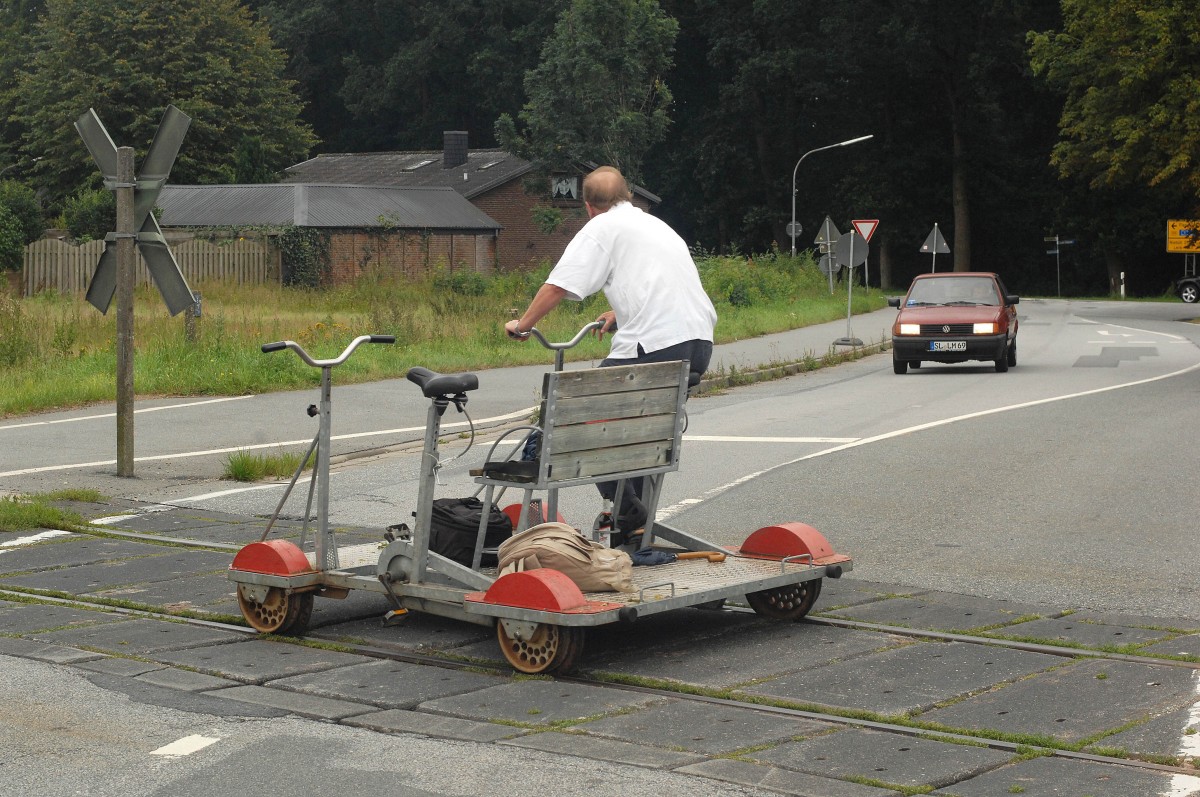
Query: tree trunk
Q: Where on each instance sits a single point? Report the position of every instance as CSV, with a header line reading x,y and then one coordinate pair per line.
x,y
962,204
885,261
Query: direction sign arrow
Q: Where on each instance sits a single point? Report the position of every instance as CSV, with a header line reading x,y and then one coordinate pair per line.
x,y
156,167
865,227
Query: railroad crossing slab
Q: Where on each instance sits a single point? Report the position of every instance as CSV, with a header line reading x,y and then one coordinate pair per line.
x,y
321,708
156,563
537,703
711,729
709,651
637,753
1176,733
1083,630
29,618
1075,701
71,550
258,660
938,611
137,637
389,684
911,678
1043,777
907,761
404,721
799,784
1180,646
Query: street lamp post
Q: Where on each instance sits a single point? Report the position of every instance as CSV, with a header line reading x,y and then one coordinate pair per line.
x,y
792,227
18,163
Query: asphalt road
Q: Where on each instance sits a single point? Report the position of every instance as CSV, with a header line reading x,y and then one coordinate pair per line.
x,y
1067,480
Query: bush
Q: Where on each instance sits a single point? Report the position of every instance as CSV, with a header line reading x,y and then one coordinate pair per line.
x,y
23,204
745,282
305,256
91,214
464,282
12,243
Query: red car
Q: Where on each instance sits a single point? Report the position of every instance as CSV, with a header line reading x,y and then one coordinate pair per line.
x,y
955,317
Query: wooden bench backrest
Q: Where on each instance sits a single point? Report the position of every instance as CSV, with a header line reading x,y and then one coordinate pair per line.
x,y
616,421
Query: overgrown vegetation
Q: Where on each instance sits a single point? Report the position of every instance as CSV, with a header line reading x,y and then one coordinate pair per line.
x,y
19,513
248,466
451,321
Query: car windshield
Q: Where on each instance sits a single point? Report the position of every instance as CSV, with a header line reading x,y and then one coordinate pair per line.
x,y
953,290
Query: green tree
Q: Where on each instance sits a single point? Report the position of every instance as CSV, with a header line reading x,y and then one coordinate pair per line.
x,y
396,75
90,214
1129,134
1130,71
20,200
17,19
598,93
212,60
12,245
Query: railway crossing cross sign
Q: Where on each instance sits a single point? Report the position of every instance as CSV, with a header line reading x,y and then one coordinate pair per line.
x,y
156,167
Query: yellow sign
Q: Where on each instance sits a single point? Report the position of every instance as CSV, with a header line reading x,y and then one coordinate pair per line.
x,y
1183,236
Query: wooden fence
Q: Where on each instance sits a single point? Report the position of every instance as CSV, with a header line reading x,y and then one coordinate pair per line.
x,y
52,265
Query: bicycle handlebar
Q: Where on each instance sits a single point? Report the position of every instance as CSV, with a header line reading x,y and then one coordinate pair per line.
x,y
341,358
580,335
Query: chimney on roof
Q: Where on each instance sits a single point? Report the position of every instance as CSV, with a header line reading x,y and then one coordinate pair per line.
x,y
454,148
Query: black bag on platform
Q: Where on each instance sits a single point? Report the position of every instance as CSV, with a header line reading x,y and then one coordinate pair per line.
x,y
454,526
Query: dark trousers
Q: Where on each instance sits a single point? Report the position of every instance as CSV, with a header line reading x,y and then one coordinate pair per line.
x,y
632,513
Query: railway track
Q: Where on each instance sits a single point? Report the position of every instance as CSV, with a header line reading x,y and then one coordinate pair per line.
x,y
716,697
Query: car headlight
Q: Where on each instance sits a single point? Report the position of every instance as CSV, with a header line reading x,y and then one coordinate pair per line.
x,y
910,329
985,329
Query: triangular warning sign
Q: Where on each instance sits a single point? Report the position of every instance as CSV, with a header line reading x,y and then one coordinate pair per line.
x,y
865,227
829,233
935,243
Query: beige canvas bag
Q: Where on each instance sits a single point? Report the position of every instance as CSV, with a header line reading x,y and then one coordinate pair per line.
x,y
590,565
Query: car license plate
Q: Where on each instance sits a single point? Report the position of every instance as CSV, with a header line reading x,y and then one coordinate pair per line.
x,y
947,345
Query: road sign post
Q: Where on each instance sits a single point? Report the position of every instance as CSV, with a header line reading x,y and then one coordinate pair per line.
x,y
136,230
1058,244
866,228
124,290
852,251
825,240
936,245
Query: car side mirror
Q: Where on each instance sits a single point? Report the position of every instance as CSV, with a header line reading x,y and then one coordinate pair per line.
x,y
1010,299
894,301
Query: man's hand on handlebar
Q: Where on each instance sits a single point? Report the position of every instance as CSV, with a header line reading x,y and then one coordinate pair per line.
x,y
608,323
512,329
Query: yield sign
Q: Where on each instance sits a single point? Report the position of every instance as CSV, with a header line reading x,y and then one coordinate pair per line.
x,y
865,227
150,179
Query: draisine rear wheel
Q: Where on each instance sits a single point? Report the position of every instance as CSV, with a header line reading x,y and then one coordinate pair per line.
x,y
790,602
280,612
550,648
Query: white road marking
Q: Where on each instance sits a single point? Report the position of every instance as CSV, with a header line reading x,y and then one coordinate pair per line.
x,y
113,414
185,746
234,449
731,439
1189,745
715,491
31,539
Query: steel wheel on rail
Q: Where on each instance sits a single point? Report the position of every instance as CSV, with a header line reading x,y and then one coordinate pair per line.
x,y
789,602
280,612
550,648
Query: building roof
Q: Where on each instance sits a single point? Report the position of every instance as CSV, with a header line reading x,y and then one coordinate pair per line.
x,y
477,171
320,205
483,170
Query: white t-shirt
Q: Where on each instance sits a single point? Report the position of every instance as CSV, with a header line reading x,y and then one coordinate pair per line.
x,y
647,275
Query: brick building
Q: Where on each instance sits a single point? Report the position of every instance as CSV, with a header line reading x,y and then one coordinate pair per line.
x,y
393,230
524,205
